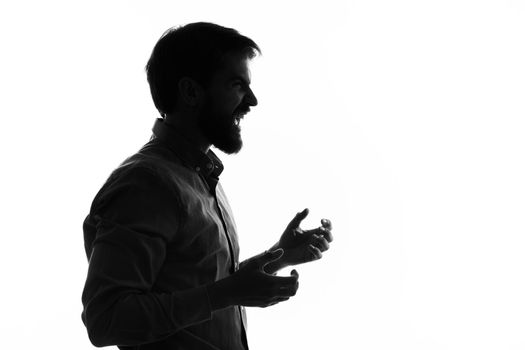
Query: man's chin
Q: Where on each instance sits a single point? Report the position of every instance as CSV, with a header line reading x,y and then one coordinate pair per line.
x,y
230,146
227,139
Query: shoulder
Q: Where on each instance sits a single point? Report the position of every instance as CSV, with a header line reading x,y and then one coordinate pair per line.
x,y
142,179
153,164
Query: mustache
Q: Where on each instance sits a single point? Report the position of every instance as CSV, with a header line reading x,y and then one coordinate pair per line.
x,y
244,109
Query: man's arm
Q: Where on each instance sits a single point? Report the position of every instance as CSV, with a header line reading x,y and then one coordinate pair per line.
x,y
133,223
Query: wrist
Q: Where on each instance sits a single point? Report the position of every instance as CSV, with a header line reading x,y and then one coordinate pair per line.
x,y
275,266
219,294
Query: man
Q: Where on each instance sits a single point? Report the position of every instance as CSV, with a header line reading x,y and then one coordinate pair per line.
x,y
160,236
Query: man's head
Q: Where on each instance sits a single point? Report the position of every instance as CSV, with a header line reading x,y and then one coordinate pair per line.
x,y
203,67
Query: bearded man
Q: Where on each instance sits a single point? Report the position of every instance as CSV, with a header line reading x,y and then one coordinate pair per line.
x,y
160,237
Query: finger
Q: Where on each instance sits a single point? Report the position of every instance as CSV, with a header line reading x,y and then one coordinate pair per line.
x,y
296,221
320,231
285,286
276,301
279,299
315,231
290,289
321,243
285,281
327,234
316,253
295,274
326,223
287,292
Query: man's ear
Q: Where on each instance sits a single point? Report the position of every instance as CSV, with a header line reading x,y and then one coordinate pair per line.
x,y
190,91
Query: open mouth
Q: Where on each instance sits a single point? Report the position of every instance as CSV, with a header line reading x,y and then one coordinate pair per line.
x,y
239,114
237,120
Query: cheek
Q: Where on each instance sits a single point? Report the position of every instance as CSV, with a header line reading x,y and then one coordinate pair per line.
x,y
232,98
226,101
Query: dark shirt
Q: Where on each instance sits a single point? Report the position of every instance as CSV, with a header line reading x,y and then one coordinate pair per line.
x,y
159,231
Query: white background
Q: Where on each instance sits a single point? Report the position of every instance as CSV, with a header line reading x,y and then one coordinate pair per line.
x,y
402,121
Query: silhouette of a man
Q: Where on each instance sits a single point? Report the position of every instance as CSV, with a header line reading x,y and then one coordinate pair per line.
x,y
160,236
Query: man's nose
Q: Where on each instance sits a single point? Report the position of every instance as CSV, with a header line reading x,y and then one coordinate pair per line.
x,y
250,98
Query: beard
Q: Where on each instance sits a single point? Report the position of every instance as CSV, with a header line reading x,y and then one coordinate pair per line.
x,y
220,129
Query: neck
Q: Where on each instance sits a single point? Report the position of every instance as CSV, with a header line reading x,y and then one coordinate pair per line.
x,y
188,128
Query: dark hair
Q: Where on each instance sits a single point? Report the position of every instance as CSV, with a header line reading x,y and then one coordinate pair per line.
x,y
195,50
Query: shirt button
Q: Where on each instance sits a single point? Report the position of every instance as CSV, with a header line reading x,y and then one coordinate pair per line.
x,y
198,168
209,165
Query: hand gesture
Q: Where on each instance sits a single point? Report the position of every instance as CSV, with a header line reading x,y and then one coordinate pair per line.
x,y
252,286
302,246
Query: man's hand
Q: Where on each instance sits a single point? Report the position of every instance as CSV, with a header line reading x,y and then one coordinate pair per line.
x,y
252,286
302,246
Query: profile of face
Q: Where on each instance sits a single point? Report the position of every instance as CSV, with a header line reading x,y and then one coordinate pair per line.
x,y
228,99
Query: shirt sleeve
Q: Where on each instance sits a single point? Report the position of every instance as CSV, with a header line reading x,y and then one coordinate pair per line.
x,y
133,221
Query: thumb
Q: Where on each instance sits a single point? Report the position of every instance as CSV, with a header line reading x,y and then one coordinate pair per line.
x,y
296,221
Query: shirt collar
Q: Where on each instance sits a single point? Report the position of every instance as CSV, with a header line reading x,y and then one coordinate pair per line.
x,y
206,164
